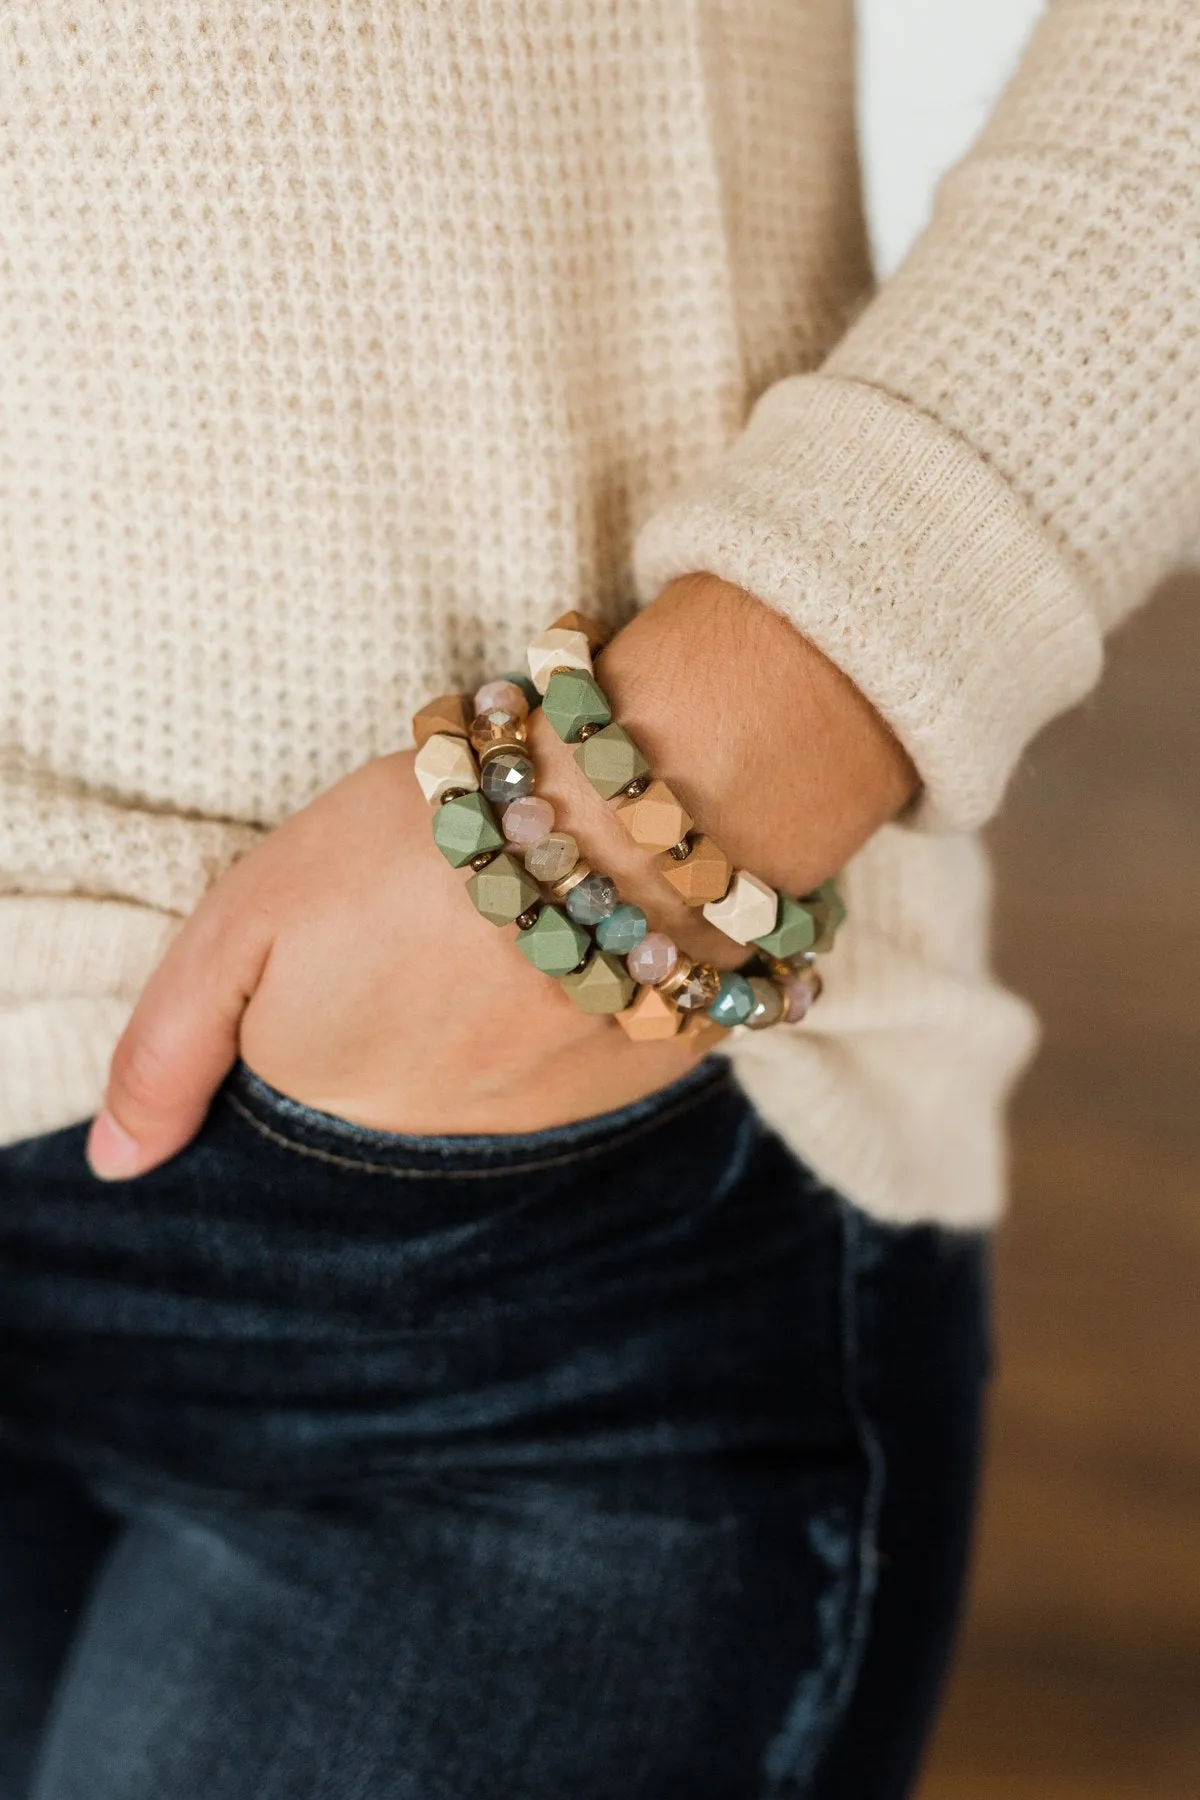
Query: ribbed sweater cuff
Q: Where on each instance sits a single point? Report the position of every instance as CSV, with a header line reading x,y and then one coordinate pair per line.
x,y
909,562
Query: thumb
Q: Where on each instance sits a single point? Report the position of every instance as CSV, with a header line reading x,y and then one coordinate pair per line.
x,y
179,1044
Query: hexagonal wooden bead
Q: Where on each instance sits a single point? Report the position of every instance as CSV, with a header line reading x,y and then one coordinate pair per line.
x,y
575,699
466,828
703,877
747,912
451,713
556,649
445,762
794,930
828,911
554,943
611,760
656,819
651,1016
603,985
596,634
504,890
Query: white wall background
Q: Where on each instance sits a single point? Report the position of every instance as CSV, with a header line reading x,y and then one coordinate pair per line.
x,y
930,70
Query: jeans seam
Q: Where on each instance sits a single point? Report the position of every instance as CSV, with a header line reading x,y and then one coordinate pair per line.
x,y
860,1609
532,1165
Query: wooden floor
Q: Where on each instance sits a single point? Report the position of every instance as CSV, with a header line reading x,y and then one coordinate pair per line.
x,y
1079,1674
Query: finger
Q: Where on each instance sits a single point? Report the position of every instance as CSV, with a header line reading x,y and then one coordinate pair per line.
x,y
179,1044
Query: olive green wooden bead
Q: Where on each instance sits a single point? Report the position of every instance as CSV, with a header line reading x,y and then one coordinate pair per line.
x,y
603,985
464,828
504,890
611,760
554,943
794,930
572,700
828,911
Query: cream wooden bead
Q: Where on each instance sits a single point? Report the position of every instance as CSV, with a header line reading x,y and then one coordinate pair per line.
x,y
557,649
748,911
445,762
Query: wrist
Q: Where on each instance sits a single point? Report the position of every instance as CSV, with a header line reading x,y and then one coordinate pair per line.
x,y
771,747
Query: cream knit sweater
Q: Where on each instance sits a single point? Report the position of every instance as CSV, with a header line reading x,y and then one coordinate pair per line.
x,y
342,343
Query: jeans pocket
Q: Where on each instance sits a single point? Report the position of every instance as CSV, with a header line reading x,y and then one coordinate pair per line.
x,y
292,1126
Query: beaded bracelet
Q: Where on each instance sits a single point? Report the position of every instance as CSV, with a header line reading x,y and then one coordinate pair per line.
x,y
469,763
785,931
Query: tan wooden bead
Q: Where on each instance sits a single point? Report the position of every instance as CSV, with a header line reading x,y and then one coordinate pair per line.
x,y
651,1016
443,763
596,634
656,819
450,713
748,911
705,875
555,649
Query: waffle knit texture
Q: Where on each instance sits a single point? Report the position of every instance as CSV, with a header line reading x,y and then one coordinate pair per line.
x,y
342,344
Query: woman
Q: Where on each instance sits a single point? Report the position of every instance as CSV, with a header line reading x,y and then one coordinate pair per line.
x,y
429,1389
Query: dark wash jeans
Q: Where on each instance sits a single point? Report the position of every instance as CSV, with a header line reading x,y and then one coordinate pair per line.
x,y
623,1461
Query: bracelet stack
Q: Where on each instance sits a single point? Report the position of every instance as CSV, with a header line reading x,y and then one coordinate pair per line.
x,y
474,766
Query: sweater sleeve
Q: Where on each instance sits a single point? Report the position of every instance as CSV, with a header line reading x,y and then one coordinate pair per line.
x,y
1002,455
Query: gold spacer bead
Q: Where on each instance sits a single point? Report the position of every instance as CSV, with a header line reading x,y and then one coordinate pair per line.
x,y
587,731
483,859
677,980
634,789
528,918
562,887
453,794
682,850
511,738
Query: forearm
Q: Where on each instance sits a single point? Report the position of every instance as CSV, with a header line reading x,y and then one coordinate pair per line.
x,y
771,749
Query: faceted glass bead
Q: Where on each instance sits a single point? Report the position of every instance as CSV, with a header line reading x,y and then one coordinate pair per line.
x,y
501,696
653,959
521,680
504,890
734,1002
603,985
552,857
527,820
464,828
799,992
611,760
768,1004
554,944
507,777
793,931
699,990
574,699
496,727
623,930
650,1017
595,897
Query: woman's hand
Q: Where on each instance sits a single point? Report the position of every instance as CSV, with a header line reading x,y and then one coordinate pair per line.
x,y
342,960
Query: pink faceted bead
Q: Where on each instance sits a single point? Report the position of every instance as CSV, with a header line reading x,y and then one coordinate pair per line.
x,y
798,996
502,696
527,820
653,959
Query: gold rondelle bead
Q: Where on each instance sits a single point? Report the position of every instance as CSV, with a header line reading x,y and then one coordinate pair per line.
x,y
682,850
483,859
587,731
453,794
562,887
529,918
677,980
635,788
